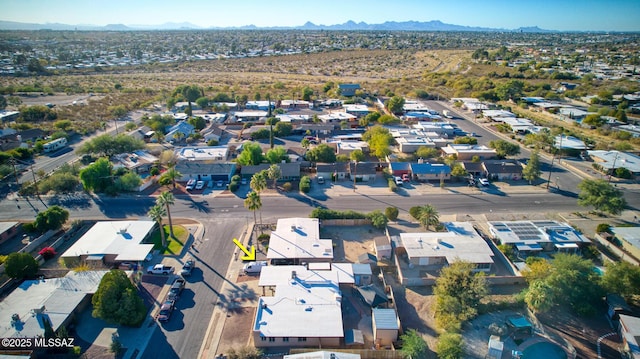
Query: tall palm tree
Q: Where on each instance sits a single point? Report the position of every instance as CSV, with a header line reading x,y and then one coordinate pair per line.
x,y
429,216
253,203
165,199
258,181
156,213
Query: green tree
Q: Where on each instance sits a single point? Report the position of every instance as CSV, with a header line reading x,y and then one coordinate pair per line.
x,y
450,346
504,148
166,199
466,140
321,153
283,129
128,182
378,220
426,152
457,170
395,104
107,145
391,213
458,291
52,218
63,125
540,296
97,176
259,181
357,156
273,173
510,90
20,266
428,215
37,113
170,176
253,203
197,122
305,143
379,140
532,171
623,278
277,155
305,184
251,154
117,301
156,213
307,92
413,345
601,195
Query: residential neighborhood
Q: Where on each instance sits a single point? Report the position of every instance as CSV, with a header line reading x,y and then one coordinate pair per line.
x,y
254,200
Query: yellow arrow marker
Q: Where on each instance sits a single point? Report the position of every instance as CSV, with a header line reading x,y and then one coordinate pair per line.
x,y
249,255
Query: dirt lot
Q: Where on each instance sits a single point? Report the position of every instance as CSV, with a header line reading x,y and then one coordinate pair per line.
x,y
350,242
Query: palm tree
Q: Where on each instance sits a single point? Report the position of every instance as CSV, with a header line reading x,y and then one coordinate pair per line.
x,y
429,216
253,203
170,176
156,213
165,199
258,181
274,172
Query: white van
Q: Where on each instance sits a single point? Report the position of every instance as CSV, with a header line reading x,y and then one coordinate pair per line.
x,y
254,267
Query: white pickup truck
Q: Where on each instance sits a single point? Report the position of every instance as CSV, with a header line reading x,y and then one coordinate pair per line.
x,y
160,269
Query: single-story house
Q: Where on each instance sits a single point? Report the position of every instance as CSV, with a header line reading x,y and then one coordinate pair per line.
x,y
289,171
629,237
335,171
503,169
31,135
179,131
348,90
609,161
400,168
357,110
206,171
467,152
111,242
212,133
430,171
294,104
247,116
8,230
260,105
144,133
138,161
363,171
530,237
474,168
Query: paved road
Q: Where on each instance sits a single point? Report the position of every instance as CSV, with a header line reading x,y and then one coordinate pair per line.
x,y
183,334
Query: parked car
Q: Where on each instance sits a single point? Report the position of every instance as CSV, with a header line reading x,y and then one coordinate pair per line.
x,y
199,185
320,180
405,177
165,310
187,268
483,181
398,181
190,184
254,267
176,289
160,269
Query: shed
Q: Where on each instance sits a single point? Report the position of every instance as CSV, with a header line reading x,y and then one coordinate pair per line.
x,y
383,247
367,258
385,326
495,347
616,306
372,295
362,274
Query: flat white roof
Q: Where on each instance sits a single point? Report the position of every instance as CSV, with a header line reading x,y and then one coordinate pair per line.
x,y
630,235
570,142
617,159
306,303
341,273
114,237
356,108
337,116
323,355
250,114
5,226
204,153
460,242
299,238
497,113
59,297
462,148
352,145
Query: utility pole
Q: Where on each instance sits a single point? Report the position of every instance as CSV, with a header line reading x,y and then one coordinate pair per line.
x,y
15,173
35,182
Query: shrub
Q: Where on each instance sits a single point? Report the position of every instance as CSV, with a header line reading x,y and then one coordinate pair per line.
x,y
603,228
235,178
305,184
378,220
47,253
233,186
391,213
415,212
287,186
322,213
392,185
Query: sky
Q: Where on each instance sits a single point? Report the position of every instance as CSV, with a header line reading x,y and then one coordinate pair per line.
x,y
562,15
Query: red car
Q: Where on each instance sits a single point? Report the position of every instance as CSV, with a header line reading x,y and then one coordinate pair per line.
x,y
405,177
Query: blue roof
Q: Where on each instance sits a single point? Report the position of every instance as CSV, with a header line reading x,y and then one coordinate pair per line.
x,y
349,86
429,168
183,126
398,166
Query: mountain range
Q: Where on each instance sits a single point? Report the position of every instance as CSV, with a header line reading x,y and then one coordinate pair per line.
x,y
434,25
